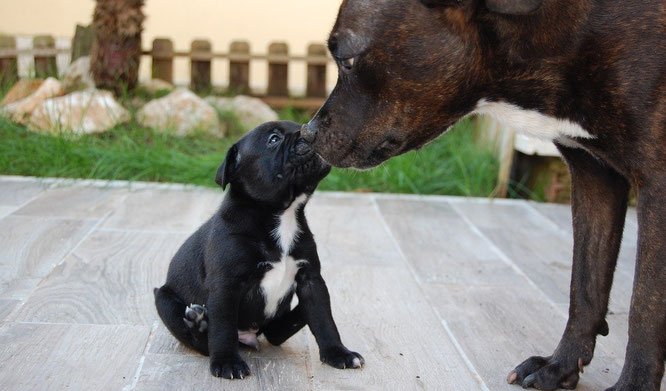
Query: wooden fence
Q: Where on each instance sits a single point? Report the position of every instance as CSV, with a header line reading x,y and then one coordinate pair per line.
x,y
239,58
202,57
43,51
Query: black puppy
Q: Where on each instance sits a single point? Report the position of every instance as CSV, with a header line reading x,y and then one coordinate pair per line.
x,y
242,267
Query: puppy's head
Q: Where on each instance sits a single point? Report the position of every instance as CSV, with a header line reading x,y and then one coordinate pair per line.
x,y
272,163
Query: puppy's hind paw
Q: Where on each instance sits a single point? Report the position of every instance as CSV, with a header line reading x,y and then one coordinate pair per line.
x,y
196,317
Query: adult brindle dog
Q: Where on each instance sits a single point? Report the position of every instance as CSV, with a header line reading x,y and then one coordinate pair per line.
x,y
588,74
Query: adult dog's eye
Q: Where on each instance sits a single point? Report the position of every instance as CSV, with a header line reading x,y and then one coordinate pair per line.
x,y
274,139
346,63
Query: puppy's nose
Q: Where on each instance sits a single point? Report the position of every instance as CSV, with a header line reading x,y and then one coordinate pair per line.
x,y
309,132
302,147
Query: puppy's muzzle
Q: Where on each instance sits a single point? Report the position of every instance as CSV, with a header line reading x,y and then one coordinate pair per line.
x,y
302,148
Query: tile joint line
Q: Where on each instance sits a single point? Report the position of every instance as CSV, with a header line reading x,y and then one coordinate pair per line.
x,y
142,360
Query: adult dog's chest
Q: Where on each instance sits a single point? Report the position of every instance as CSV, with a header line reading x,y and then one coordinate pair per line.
x,y
279,279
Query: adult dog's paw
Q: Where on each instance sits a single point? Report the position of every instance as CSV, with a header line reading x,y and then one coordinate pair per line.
x,y
229,368
547,373
340,357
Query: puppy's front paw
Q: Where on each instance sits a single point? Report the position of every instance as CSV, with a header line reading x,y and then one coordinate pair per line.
x,y
340,357
229,367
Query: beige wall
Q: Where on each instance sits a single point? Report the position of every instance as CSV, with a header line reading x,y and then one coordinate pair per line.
x,y
297,22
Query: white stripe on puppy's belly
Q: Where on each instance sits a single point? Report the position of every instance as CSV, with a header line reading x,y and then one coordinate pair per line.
x,y
278,282
531,122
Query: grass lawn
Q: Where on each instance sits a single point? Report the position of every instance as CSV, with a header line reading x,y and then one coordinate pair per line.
x,y
450,165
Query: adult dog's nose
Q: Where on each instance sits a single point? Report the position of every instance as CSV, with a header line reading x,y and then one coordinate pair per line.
x,y
309,132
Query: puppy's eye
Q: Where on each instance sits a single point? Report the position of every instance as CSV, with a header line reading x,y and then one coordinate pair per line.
x,y
346,63
274,139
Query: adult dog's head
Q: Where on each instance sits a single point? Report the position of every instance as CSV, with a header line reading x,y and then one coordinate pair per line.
x,y
410,69
272,164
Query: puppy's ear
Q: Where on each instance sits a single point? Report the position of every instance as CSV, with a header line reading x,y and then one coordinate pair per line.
x,y
513,7
228,168
441,3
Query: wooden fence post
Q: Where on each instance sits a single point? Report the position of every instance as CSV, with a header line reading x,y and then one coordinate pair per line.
x,y
316,84
278,69
8,65
239,67
200,63
45,64
162,59
82,41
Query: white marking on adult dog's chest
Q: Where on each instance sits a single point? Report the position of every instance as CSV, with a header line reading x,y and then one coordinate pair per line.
x,y
531,122
280,279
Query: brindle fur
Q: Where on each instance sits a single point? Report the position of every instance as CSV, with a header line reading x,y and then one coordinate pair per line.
x,y
421,66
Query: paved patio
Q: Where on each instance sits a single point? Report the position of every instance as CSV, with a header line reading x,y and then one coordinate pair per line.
x,y
438,293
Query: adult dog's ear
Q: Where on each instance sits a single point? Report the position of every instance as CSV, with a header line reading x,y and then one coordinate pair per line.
x,y
441,3
513,7
228,168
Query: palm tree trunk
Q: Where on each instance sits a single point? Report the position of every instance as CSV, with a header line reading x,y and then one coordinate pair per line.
x,y
116,51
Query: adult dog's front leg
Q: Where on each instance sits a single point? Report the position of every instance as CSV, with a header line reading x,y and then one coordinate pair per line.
x,y
646,350
225,361
599,204
316,309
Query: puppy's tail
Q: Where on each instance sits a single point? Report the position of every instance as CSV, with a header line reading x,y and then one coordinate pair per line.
x,y
172,310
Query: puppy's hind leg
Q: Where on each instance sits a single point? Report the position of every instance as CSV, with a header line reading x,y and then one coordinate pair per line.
x,y
281,329
177,317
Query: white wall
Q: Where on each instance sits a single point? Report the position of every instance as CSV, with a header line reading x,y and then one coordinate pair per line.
x,y
297,22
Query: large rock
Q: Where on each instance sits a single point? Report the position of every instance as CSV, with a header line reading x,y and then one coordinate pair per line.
x,y
251,112
89,111
153,86
21,90
181,111
22,110
77,76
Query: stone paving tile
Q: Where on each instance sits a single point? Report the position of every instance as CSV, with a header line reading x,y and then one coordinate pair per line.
x,y
442,293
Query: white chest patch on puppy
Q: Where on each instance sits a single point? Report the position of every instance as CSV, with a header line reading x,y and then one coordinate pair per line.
x,y
287,229
278,282
531,122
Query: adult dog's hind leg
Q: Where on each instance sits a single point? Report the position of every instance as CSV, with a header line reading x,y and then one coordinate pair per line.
x,y
646,351
172,311
599,204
